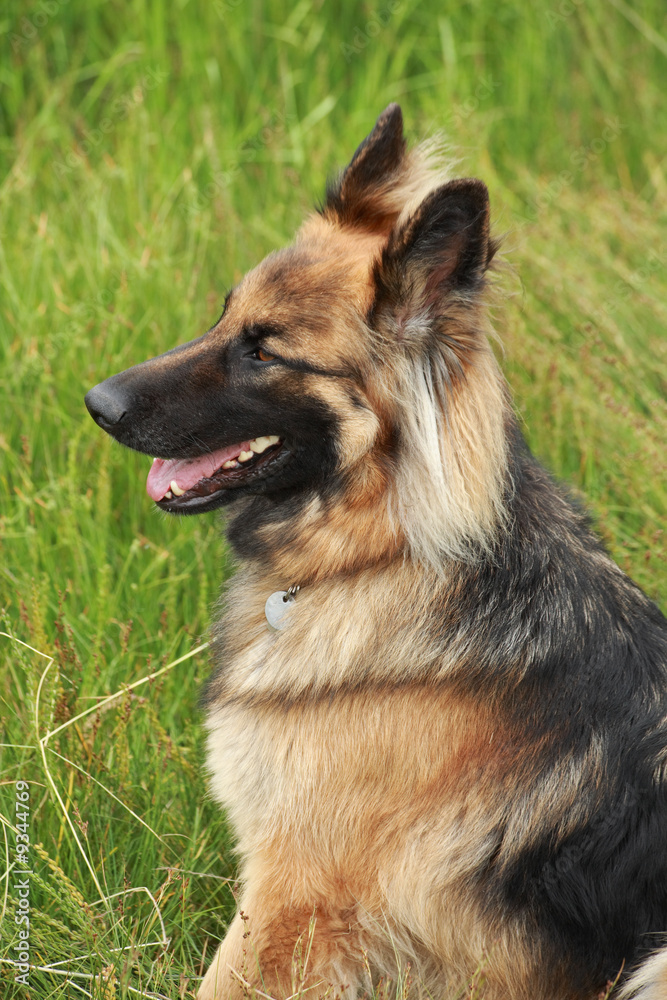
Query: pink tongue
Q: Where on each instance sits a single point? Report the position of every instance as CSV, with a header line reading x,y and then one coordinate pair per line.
x,y
188,471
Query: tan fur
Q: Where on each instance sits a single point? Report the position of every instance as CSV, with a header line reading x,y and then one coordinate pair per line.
x,y
446,495
305,860
422,170
309,783
357,773
650,982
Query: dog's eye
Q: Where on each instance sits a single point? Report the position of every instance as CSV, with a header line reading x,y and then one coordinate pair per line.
x,y
259,354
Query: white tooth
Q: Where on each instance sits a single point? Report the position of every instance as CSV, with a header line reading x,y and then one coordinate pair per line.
x,y
176,489
167,495
259,445
231,464
245,456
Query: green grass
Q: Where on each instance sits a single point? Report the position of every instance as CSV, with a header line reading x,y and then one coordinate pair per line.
x,y
150,154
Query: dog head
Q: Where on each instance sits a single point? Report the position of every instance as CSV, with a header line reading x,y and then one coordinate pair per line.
x,y
348,380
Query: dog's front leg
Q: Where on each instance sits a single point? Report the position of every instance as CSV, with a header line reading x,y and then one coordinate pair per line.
x,y
288,951
233,966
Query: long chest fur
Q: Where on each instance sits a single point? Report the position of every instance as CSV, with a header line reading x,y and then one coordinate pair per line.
x,y
345,730
309,720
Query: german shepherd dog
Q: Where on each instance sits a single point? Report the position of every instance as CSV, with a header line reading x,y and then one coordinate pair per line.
x,y
438,721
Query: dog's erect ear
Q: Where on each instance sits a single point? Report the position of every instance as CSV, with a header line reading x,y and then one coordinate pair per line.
x,y
444,247
356,198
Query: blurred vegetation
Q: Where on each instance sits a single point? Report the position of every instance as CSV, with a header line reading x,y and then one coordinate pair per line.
x,y
149,154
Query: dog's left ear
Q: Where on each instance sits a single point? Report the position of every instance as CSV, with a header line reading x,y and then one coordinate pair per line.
x,y
443,248
356,199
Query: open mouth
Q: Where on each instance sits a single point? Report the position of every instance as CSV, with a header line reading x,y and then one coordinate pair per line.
x,y
184,484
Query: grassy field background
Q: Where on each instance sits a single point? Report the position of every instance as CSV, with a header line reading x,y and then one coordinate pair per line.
x,y
149,154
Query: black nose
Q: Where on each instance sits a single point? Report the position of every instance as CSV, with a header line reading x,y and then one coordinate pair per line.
x,y
105,407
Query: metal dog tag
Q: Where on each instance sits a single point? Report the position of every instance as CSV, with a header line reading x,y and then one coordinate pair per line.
x,y
277,609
